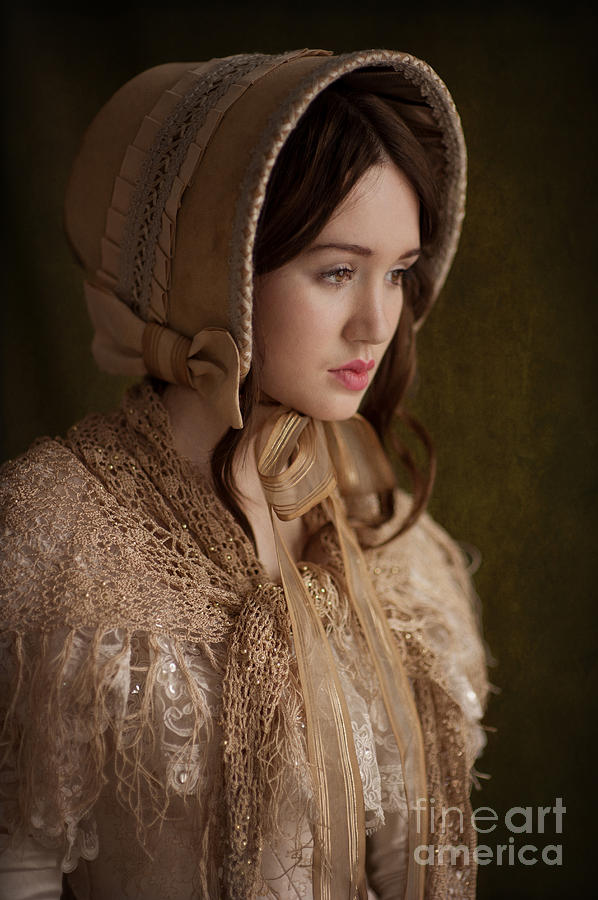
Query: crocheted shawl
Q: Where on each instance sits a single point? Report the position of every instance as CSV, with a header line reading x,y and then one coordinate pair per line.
x,y
115,547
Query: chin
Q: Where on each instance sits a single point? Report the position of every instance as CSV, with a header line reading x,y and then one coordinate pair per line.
x,y
317,400
336,410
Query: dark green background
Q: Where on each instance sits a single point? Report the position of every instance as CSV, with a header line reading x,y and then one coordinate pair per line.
x,y
508,363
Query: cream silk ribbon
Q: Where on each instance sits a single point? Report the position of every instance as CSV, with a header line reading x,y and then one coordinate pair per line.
x,y
124,344
297,472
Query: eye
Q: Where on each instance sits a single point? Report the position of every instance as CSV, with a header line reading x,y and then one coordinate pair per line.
x,y
341,275
396,276
338,276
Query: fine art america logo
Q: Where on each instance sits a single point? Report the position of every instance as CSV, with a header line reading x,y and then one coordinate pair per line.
x,y
519,820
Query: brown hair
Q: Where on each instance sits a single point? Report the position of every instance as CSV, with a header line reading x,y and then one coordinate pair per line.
x,y
342,134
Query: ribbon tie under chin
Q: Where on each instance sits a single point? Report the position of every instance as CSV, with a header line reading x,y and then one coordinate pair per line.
x,y
296,473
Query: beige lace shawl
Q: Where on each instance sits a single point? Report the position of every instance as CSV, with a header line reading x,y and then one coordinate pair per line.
x,y
145,653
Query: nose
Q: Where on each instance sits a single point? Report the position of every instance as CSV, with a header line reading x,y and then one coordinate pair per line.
x,y
374,315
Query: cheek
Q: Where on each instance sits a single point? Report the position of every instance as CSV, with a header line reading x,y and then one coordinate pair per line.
x,y
277,320
290,324
394,317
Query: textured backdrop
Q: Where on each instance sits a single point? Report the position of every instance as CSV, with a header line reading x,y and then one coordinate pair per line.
x,y
507,380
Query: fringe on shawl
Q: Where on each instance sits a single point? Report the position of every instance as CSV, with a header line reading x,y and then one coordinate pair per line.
x,y
76,705
83,707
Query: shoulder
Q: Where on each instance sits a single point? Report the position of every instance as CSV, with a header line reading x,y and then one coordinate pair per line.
x,y
47,488
76,551
424,581
43,469
37,487
424,547
49,507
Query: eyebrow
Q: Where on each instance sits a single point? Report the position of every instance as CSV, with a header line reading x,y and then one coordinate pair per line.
x,y
357,248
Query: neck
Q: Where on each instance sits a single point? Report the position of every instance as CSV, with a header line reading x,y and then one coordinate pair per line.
x,y
196,430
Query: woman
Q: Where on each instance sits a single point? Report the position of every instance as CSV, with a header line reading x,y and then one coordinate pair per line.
x,y
240,661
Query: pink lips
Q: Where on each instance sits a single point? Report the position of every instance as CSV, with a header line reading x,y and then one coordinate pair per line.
x,y
354,375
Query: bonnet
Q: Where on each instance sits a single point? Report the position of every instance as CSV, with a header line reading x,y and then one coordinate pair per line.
x,y
162,210
180,158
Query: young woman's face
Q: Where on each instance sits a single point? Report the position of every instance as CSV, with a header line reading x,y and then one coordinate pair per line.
x,y
325,318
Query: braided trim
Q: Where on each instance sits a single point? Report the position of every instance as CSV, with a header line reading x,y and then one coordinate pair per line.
x,y
158,165
141,251
253,189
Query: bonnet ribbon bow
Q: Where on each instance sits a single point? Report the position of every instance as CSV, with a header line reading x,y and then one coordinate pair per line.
x,y
296,473
124,344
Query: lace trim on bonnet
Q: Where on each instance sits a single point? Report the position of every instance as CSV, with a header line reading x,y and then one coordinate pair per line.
x,y
127,582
